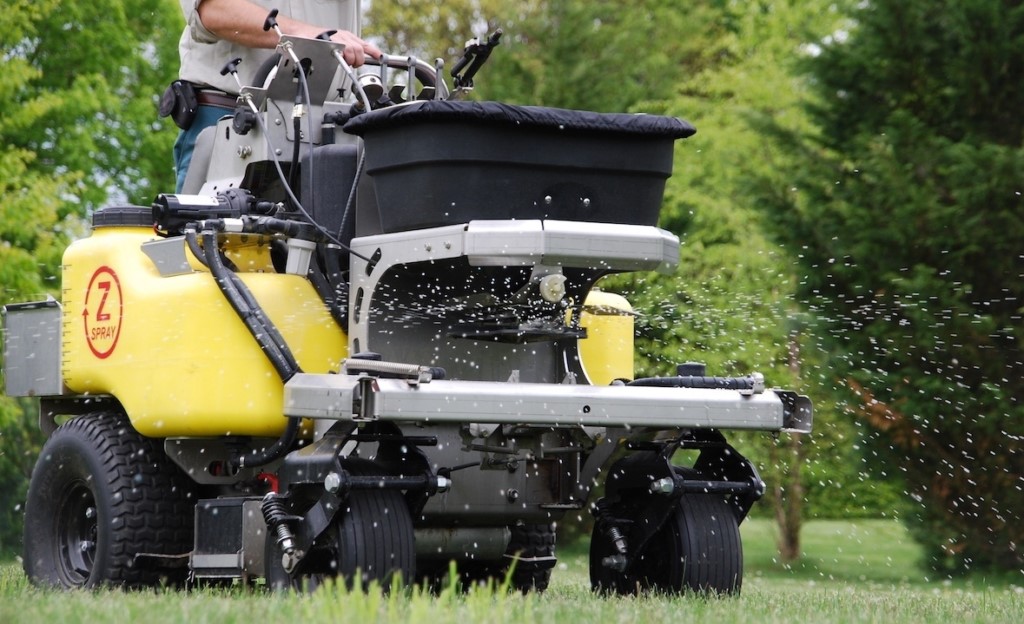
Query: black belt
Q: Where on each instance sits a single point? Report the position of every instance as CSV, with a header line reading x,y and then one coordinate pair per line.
x,y
216,98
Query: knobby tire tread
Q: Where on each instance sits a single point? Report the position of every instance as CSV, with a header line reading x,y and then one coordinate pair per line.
x,y
144,501
528,541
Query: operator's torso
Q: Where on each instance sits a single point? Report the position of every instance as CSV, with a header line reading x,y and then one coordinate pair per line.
x,y
203,54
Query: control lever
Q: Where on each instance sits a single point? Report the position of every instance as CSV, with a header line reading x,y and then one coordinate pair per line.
x,y
284,44
271,21
245,116
473,58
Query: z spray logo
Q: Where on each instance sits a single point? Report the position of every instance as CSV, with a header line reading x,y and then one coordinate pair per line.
x,y
102,312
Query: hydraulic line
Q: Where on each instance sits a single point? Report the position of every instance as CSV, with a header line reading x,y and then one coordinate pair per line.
x,y
267,337
296,146
326,293
690,381
248,309
350,202
193,246
272,452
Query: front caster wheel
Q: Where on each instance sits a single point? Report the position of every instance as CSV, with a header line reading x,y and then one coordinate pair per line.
x,y
370,541
529,558
697,549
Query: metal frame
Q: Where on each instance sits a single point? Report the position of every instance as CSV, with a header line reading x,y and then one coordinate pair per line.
x,y
32,340
365,398
598,246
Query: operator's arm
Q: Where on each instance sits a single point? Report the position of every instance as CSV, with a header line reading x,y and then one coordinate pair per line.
x,y
242,21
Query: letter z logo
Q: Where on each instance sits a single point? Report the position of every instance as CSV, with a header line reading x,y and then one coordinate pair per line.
x,y
102,312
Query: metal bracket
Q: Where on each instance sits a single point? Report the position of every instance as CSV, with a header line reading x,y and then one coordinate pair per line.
x,y
363,399
168,256
798,414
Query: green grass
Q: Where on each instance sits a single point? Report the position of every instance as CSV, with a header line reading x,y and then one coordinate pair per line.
x,y
861,571
870,551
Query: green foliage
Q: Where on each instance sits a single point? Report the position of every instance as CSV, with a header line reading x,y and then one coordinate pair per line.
x,y
89,75
441,30
79,126
906,207
602,56
20,441
896,197
432,29
844,478
607,56
733,301
730,68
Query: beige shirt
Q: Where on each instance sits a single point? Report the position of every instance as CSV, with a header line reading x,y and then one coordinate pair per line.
x,y
203,54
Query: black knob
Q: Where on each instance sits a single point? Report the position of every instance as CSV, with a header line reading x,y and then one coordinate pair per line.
x,y
691,369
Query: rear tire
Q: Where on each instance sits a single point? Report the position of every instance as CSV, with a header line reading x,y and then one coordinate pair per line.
x,y
100,494
532,552
698,549
531,549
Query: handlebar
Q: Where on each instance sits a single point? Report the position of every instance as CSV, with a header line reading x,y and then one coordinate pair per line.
x,y
424,72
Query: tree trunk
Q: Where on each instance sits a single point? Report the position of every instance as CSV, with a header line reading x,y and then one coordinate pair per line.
x,y
787,495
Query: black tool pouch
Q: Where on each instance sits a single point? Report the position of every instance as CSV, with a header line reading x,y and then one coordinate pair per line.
x,y
179,103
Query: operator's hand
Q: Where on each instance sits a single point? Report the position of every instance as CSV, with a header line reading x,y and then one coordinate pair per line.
x,y
243,22
356,49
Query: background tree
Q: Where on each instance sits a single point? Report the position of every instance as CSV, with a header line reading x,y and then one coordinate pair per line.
x,y
604,55
730,68
79,126
732,303
906,207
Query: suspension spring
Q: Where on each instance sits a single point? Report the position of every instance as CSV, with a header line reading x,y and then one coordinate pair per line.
x,y
276,516
617,538
618,562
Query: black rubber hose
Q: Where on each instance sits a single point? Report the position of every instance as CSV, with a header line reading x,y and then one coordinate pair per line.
x,y
267,337
274,337
242,301
276,341
272,452
326,293
687,381
251,313
293,172
348,223
193,246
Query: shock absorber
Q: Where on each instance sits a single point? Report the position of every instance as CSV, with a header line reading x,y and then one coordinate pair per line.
x,y
609,525
617,538
620,560
277,517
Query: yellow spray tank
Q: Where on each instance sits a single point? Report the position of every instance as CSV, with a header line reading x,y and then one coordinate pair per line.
x,y
607,351
169,347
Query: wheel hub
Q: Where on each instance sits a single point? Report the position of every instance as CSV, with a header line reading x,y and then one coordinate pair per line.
x,y
76,528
